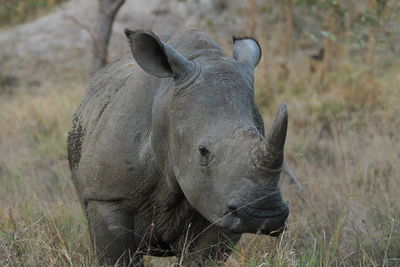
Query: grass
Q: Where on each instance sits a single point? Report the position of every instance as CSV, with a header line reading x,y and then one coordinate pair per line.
x,y
347,161
343,143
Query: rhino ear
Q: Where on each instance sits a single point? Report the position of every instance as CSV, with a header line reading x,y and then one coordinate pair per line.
x,y
246,50
155,57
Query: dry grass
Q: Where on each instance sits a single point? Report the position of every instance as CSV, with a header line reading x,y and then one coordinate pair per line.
x,y
343,143
347,159
41,223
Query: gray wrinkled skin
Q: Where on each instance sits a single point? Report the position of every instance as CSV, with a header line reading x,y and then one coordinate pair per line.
x,y
168,153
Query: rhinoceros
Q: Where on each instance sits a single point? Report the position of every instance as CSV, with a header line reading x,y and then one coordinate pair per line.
x,y
168,152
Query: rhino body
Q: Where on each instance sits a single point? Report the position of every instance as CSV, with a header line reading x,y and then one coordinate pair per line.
x,y
168,152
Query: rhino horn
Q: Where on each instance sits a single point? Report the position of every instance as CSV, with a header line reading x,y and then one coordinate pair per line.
x,y
269,155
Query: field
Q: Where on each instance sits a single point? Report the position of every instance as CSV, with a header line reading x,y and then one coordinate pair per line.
x,y
343,144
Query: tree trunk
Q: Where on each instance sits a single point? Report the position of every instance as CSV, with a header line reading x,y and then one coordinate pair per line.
x,y
102,32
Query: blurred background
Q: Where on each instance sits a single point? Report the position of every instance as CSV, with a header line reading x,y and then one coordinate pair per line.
x,y
334,62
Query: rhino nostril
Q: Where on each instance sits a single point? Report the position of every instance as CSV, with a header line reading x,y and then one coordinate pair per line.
x,y
230,210
233,207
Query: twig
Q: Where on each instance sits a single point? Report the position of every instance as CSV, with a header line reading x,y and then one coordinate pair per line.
x,y
292,177
91,33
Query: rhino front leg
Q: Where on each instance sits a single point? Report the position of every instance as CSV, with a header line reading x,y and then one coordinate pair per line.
x,y
209,247
111,232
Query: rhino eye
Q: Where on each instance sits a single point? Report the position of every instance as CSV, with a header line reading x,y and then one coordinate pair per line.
x,y
203,151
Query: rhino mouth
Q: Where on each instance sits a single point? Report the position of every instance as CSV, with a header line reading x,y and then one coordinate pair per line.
x,y
263,213
258,221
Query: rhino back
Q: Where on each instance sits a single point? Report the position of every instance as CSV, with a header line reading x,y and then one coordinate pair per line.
x,y
193,43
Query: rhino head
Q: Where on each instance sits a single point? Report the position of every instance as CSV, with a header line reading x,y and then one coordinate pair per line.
x,y
218,156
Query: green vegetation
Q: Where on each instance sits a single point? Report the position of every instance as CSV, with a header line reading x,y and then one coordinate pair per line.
x,y
18,11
